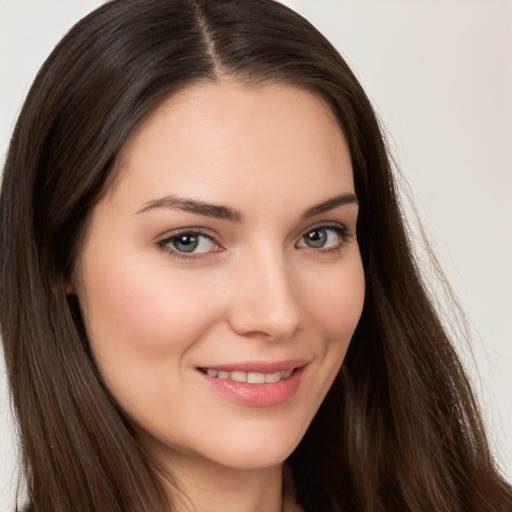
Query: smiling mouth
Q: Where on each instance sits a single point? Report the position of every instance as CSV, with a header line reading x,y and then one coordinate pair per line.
x,y
248,377
256,383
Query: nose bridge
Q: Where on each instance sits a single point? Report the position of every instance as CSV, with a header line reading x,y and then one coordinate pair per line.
x,y
265,301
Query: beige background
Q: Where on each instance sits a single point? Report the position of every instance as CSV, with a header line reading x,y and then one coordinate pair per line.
x,y
440,75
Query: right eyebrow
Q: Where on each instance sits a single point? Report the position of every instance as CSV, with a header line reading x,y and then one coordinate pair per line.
x,y
173,202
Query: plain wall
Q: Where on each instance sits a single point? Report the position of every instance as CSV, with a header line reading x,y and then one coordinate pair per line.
x,y
440,75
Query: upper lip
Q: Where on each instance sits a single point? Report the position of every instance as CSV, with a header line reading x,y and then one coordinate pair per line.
x,y
258,366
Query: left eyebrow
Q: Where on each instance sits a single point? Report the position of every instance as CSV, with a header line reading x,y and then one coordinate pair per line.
x,y
330,204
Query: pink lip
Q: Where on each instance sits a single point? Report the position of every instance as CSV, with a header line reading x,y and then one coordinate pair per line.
x,y
258,395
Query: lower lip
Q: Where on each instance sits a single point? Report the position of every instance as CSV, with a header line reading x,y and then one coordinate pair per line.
x,y
257,395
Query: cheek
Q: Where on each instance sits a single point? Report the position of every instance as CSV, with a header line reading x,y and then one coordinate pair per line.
x,y
336,303
141,326
143,308
335,307
141,323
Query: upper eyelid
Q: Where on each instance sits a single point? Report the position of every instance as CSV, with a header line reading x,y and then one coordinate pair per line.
x,y
326,225
342,230
183,231
206,232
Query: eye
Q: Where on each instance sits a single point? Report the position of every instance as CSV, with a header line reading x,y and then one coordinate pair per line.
x,y
324,237
188,244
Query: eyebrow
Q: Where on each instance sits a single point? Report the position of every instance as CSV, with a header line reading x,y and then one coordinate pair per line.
x,y
173,202
190,205
330,204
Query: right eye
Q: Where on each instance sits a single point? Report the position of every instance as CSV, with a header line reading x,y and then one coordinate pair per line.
x,y
188,243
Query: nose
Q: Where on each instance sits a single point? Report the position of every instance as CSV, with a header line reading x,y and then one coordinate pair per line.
x,y
265,301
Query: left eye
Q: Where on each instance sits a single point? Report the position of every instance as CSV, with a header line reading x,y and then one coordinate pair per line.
x,y
324,237
189,243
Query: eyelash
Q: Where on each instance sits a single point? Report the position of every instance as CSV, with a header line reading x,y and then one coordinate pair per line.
x,y
165,243
341,231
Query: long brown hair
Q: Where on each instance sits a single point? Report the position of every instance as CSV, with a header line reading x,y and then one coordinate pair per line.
x,y
399,430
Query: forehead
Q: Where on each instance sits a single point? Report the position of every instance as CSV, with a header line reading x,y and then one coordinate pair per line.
x,y
212,137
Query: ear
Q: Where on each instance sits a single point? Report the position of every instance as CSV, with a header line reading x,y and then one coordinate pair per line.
x,y
69,283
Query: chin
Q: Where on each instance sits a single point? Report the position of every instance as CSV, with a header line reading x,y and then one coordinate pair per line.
x,y
258,451
247,450
254,459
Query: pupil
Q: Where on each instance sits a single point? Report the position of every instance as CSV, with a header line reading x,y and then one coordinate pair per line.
x,y
316,238
186,243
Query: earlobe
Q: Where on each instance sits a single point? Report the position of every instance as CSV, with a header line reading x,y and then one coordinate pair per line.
x,y
71,282
70,286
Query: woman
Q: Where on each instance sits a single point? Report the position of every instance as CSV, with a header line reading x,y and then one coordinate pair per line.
x,y
199,226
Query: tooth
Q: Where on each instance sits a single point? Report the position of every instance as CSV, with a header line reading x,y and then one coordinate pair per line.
x,y
255,378
238,376
250,377
272,377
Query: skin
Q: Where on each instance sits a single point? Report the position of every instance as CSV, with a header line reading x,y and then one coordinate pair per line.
x,y
253,289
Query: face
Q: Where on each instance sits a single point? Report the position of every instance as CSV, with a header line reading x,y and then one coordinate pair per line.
x,y
221,282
